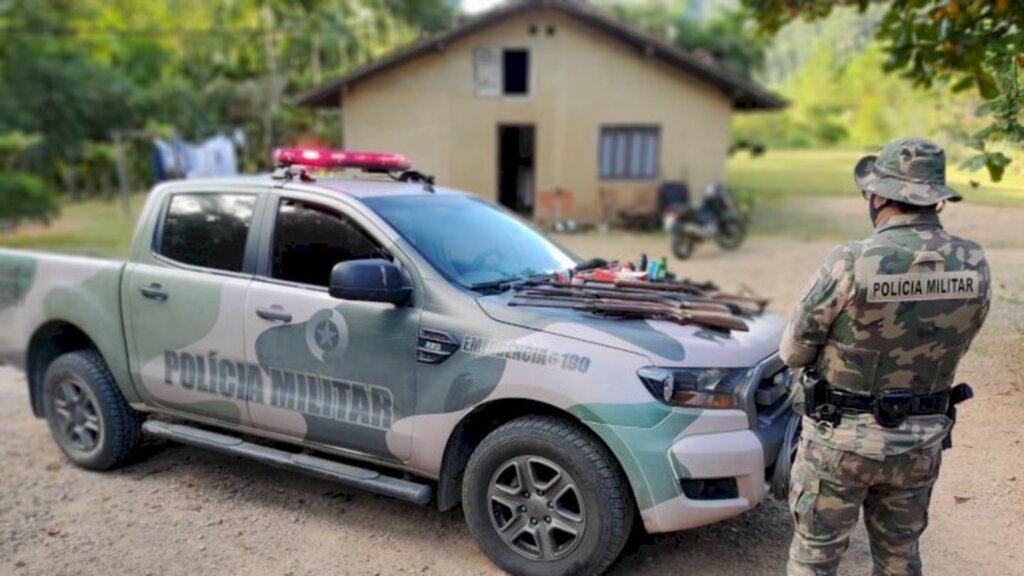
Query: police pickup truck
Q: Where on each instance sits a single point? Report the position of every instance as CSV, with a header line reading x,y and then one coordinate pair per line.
x,y
363,330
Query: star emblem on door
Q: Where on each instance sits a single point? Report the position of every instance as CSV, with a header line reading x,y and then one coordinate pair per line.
x,y
327,335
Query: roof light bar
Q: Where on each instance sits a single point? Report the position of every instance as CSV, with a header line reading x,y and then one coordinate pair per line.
x,y
314,158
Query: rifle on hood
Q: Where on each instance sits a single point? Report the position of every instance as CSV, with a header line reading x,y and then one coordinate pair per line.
x,y
689,288
636,310
541,290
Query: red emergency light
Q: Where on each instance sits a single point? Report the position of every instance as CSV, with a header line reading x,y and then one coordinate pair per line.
x,y
316,158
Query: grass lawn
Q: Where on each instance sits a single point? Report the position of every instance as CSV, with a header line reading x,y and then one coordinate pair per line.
x,y
97,227
93,227
781,174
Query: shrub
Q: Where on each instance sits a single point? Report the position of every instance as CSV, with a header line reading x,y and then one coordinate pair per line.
x,y
26,197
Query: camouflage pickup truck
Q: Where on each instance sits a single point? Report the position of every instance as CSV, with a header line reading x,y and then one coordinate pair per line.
x,y
359,329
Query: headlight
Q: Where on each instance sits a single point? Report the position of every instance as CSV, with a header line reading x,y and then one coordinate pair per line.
x,y
695,387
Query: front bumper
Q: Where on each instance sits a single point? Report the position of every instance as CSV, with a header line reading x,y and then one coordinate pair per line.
x,y
688,449
722,464
737,456
690,467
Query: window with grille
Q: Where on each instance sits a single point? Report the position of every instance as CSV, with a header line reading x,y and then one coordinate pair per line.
x,y
628,152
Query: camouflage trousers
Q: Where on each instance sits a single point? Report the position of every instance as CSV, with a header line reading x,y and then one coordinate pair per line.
x,y
829,487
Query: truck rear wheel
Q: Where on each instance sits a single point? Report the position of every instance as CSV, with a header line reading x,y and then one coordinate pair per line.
x,y
88,417
542,497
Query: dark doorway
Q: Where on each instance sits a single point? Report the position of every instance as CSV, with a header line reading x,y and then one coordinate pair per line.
x,y
516,167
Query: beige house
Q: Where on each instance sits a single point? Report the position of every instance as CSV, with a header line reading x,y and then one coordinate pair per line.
x,y
551,107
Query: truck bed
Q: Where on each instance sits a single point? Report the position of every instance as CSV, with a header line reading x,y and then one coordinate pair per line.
x,y
43,296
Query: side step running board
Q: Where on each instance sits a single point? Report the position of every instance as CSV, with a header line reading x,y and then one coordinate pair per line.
x,y
361,478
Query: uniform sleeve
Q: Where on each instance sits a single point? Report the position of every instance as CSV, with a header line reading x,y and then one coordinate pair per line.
x,y
827,294
977,257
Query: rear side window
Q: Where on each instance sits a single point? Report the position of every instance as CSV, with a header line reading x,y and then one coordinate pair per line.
x,y
309,240
207,230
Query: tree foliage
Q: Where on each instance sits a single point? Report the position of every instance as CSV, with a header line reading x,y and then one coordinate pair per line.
x,y
26,197
727,37
962,44
74,71
22,195
840,98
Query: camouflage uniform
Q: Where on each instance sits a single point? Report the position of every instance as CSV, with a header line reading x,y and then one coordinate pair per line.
x,y
897,310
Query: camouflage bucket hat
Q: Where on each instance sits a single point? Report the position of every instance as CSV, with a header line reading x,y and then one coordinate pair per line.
x,y
910,170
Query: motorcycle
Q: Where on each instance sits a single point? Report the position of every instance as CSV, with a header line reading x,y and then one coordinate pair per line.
x,y
716,217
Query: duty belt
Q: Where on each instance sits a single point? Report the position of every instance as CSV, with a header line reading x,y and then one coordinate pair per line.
x,y
917,404
825,403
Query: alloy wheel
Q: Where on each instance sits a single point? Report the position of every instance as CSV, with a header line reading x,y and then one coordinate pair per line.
x,y
537,508
77,420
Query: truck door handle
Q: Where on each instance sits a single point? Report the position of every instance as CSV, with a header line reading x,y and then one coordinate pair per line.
x,y
275,314
154,292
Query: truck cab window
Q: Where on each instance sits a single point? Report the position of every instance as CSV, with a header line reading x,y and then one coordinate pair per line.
x,y
310,240
207,230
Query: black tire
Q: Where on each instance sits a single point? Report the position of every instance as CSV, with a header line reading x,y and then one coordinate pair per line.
x,y
98,411
731,233
681,242
592,488
783,469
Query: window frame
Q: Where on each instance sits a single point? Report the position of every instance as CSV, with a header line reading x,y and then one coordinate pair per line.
x,y
631,130
264,267
249,254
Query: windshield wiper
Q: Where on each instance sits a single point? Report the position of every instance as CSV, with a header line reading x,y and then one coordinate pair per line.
x,y
494,284
503,284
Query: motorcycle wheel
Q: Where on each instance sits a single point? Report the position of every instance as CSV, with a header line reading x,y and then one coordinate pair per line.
x,y
681,242
731,234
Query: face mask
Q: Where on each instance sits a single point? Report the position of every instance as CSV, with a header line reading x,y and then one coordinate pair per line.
x,y
874,212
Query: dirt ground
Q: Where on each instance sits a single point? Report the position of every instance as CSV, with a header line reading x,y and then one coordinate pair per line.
x,y
184,511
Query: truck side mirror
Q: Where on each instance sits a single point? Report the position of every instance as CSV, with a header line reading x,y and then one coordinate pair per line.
x,y
370,280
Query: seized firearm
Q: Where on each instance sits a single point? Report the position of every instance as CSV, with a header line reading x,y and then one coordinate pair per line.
x,y
611,290
695,289
636,310
568,290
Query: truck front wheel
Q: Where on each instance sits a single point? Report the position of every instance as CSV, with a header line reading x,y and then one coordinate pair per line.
x,y
542,497
88,417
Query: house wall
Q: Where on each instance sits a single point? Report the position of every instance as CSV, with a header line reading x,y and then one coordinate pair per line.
x,y
581,79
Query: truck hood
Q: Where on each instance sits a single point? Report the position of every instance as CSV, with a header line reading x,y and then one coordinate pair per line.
x,y
664,343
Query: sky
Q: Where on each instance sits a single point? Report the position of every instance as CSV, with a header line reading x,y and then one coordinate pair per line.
x,y
474,6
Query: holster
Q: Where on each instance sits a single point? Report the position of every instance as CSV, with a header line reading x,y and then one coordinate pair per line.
x,y
818,404
892,407
959,393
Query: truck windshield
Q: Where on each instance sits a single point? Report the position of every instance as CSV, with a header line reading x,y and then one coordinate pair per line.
x,y
469,241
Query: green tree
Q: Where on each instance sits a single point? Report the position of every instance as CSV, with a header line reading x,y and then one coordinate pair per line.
x,y
962,44
73,71
727,37
22,195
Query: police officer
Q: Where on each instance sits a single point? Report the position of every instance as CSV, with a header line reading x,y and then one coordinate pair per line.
x,y
878,335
